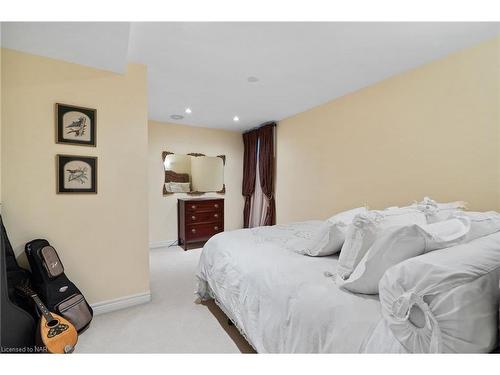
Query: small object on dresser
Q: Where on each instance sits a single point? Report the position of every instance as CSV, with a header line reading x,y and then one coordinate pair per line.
x,y
198,219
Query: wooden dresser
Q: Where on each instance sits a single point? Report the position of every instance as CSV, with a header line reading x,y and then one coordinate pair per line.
x,y
198,219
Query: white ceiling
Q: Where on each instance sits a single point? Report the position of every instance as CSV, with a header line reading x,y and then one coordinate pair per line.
x,y
100,45
205,66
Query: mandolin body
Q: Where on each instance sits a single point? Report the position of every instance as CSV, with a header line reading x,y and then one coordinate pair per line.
x,y
59,335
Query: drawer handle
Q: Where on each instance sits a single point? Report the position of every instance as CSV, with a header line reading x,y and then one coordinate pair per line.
x,y
216,215
193,230
216,205
193,217
216,228
193,207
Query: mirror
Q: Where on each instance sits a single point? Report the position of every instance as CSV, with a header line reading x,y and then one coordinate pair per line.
x,y
193,173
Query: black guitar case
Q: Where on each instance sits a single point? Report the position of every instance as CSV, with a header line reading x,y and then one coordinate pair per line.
x,y
59,293
18,317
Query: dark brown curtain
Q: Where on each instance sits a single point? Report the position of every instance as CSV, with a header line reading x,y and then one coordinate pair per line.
x,y
266,169
249,171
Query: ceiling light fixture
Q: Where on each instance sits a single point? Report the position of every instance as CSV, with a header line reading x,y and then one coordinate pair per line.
x,y
188,111
236,119
176,117
252,79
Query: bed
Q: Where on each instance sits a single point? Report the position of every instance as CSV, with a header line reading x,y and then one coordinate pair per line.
x,y
284,302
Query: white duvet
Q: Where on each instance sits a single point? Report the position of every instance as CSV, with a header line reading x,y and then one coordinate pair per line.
x,y
282,301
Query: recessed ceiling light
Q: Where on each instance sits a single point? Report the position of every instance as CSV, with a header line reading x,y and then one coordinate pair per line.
x,y
252,79
176,117
188,111
236,119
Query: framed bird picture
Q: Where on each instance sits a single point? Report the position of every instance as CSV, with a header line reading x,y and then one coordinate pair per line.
x,y
76,174
75,125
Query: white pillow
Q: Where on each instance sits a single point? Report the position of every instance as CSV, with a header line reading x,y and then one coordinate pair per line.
x,y
435,211
454,290
347,217
446,233
329,236
364,230
482,223
320,242
397,244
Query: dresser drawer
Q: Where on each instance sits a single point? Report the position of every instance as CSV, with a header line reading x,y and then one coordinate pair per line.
x,y
202,231
201,206
195,217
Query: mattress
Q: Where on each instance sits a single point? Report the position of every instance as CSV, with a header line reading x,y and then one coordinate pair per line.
x,y
284,302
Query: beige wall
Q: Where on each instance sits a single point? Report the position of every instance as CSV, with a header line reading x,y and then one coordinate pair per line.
x,y
431,131
183,140
102,239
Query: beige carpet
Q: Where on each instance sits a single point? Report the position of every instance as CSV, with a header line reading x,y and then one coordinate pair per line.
x,y
172,322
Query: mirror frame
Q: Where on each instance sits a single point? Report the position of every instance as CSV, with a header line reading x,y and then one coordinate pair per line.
x,y
164,154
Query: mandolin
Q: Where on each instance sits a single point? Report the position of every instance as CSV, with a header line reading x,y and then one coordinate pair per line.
x,y
57,334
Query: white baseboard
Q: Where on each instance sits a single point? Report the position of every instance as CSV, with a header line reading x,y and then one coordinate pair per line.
x,y
121,303
164,243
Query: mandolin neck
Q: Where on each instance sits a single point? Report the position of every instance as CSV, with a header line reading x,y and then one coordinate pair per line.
x,y
46,313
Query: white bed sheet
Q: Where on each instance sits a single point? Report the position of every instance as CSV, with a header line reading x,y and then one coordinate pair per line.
x,y
282,301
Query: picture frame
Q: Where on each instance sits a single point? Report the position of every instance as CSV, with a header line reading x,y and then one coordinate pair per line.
x,y
76,174
75,125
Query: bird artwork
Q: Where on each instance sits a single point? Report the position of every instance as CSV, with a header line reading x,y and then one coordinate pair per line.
x,y
77,127
78,174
